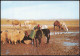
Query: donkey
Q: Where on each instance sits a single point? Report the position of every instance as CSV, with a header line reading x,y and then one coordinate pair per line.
x,y
38,35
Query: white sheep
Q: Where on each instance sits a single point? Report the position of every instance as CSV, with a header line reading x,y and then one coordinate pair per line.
x,y
13,36
9,35
17,36
3,36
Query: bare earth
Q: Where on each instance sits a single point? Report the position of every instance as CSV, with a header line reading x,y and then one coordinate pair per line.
x,y
60,44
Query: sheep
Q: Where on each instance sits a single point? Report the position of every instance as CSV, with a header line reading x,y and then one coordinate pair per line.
x,y
17,36
3,36
20,36
9,35
14,36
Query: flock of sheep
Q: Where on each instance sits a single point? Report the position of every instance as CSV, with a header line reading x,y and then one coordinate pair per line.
x,y
12,37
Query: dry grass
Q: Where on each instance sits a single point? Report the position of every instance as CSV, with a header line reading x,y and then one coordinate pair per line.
x,y
69,23
76,22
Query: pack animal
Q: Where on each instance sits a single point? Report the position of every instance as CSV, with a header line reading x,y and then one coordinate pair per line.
x,y
39,33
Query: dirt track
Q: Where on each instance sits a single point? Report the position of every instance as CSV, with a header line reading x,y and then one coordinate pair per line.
x,y
60,44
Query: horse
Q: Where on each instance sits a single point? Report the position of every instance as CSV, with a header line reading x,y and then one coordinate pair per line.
x,y
61,26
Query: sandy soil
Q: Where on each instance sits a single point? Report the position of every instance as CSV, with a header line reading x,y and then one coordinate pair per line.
x,y
60,44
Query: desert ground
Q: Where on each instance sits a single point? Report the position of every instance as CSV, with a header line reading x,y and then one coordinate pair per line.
x,y
61,42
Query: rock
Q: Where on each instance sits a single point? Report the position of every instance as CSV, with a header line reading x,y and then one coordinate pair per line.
x,y
27,41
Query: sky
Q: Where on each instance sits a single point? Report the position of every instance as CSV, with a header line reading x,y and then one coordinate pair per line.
x,y
39,10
